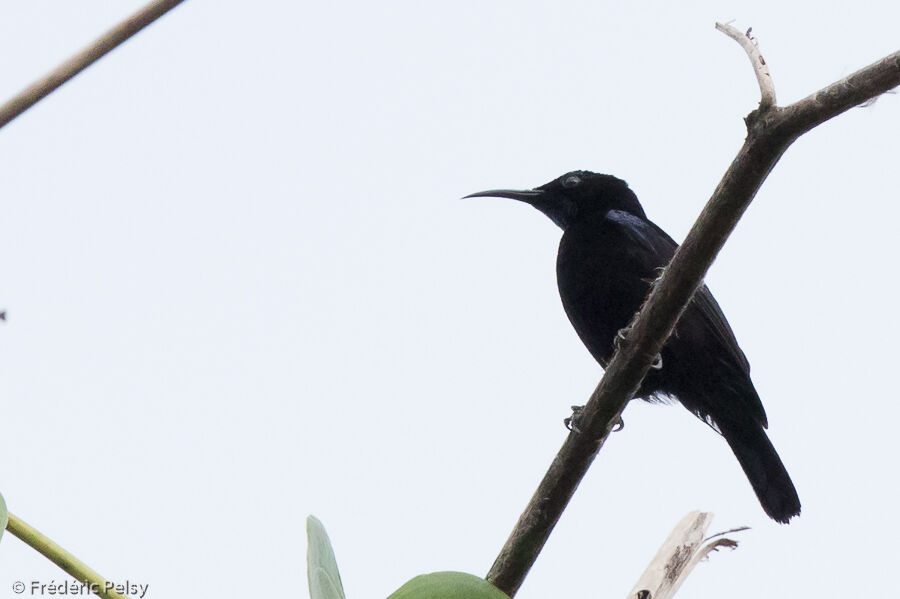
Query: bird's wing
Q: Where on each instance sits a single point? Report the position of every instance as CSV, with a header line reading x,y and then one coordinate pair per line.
x,y
703,324
713,316
653,248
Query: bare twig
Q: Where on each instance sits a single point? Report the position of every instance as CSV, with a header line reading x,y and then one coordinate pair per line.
x,y
770,133
29,96
684,548
763,77
727,532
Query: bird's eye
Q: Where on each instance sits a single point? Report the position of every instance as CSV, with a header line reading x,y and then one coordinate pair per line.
x,y
571,181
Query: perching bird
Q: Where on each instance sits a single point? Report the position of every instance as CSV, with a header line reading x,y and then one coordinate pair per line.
x,y
608,256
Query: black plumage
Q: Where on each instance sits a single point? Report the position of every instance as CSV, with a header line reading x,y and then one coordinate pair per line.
x,y
608,255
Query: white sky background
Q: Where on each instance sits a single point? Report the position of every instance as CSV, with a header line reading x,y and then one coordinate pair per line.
x,y
241,288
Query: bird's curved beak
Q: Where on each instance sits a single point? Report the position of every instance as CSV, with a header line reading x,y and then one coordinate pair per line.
x,y
526,195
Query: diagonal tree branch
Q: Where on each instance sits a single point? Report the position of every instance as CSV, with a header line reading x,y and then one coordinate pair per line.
x,y
770,130
41,88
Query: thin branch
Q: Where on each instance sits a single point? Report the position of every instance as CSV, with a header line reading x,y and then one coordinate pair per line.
x,y
727,532
763,77
770,132
73,566
35,92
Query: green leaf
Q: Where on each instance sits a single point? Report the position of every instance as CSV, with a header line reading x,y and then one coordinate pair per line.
x,y
321,567
4,517
448,585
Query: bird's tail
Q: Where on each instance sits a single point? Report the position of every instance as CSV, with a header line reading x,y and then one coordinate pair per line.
x,y
764,470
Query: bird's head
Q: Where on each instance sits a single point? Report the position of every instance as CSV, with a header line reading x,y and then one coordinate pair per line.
x,y
574,196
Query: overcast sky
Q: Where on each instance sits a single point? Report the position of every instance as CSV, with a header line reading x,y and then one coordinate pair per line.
x,y
241,289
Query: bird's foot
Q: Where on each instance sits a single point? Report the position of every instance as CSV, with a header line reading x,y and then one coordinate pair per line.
x,y
572,421
659,272
621,336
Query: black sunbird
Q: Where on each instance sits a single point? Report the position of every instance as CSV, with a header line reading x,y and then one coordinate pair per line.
x,y
609,254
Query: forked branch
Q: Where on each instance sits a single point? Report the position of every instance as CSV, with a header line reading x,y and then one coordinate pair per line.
x,y
770,131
